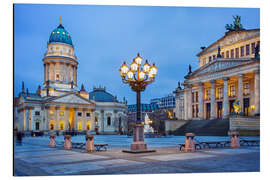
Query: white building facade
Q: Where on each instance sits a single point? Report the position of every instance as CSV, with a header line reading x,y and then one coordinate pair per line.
x,y
59,105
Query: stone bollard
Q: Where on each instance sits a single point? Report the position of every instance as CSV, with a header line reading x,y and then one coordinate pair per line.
x,y
52,141
68,142
235,142
89,145
189,147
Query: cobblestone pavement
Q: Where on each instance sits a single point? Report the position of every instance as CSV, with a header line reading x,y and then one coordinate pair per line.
x,y
39,160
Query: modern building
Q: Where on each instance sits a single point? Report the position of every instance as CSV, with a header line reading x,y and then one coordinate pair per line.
x,y
228,73
59,104
166,102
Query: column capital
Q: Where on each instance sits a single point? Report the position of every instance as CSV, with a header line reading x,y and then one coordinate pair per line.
x,y
226,79
200,83
241,75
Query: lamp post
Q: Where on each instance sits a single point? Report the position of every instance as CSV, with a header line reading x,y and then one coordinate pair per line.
x,y
138,76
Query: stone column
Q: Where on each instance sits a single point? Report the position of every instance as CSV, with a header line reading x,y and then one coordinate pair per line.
x,y
226,98
57,125
66,118
240,91
200,100
102,120
188,101
45,72
53,74
213,100
75,119
257,91
74,75
24,119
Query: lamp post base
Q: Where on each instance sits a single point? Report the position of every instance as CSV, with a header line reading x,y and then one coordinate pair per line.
x,y
138,145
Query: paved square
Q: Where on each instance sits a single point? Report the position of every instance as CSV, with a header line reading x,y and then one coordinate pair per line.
x,y
42,153
231,151
71,168
64,158
180,156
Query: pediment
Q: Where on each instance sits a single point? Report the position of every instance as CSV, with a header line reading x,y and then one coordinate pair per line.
x,y
218,65
71,98
231,38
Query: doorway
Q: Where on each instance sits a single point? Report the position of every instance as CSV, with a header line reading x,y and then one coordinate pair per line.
x,y
246,106
219,110
208,110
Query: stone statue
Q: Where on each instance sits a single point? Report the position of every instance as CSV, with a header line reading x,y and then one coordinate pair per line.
x,y
82,88
257,51
72,83
179,85
218,54
189,69
23,87
236,26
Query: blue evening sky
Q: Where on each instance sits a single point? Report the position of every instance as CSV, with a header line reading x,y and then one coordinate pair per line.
x,y
105,36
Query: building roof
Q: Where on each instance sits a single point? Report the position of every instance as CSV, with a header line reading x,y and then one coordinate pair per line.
x,y
144,107
224,37
60,35
100,95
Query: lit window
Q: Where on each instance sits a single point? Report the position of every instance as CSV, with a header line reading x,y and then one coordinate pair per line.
x,y
61,113
61,125
58,32
53,32
88,125
79,125
51,112
51,125
231,90
57,78
64,33
246,88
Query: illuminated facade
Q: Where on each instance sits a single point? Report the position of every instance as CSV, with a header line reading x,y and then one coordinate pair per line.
x,y
59,104
228,72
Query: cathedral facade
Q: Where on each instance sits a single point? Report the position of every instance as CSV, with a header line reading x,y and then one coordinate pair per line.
x,y
227,80
59,105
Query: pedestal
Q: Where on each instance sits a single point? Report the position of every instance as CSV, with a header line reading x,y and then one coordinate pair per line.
x,y
189,147
138,145
89,145
235,142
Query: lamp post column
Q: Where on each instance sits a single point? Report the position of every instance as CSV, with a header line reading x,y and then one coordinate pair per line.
x,y
138,119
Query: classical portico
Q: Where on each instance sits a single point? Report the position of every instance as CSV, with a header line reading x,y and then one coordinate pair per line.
x,y
211,91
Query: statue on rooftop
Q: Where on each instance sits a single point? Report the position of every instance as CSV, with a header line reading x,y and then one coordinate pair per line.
x,y
189,69
257,51
236,26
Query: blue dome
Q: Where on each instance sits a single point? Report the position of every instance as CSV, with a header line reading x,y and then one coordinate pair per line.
x,y
100,95
60,35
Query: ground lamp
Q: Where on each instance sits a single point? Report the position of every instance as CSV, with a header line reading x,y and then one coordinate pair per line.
x,y
138,76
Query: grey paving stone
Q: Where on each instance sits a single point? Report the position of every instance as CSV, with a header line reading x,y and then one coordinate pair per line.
x,y
41,153
180,156
118,163
231,151
64,158
70,168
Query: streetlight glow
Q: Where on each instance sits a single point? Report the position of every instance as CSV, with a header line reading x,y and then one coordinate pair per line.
x,y
146,67
134,66
138,59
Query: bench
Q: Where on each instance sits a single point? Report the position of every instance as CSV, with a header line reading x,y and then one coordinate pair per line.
x,y
197,146
99,147
77,145
244,142
207,144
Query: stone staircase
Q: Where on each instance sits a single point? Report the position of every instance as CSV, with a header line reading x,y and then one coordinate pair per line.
x,y
216,127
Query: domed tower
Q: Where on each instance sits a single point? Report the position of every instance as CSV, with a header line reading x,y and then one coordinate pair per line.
x,y
60,64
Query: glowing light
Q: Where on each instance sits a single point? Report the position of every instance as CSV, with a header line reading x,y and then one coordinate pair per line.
x,y
146,67
138,59
134,66
141,75
153,69
130,74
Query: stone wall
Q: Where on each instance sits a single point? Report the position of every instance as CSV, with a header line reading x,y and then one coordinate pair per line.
x,y
240,123
172,125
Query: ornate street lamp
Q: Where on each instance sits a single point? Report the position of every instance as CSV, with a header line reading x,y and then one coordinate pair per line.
x,y
138,77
